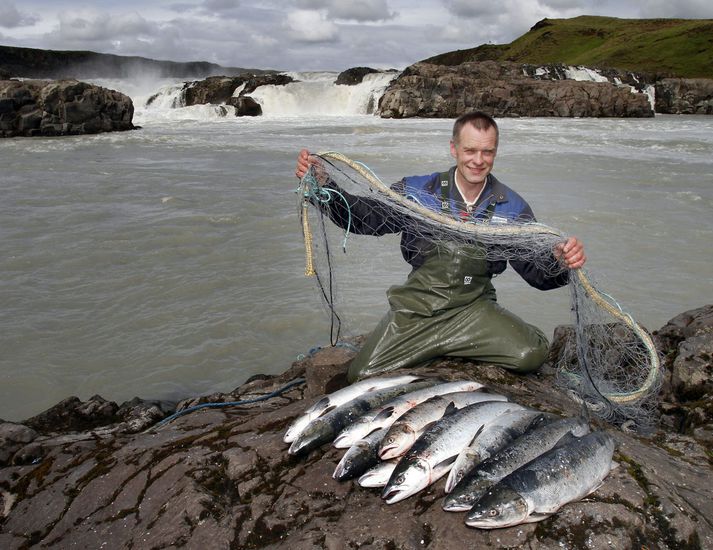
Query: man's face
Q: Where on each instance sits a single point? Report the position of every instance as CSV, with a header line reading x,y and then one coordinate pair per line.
x,y
474,152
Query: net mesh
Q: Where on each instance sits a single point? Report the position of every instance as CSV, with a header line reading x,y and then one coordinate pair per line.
x,y
609,363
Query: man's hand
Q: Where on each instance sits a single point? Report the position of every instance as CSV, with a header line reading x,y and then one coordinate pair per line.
x,y
303,163
571,253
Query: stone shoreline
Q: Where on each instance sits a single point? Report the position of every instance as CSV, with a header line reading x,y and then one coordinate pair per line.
x,y
222,478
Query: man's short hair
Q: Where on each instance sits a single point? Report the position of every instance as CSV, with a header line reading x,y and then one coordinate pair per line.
x,y
478,119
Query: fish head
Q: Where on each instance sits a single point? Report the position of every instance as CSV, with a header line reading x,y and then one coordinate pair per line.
x,y
397,442
463,499
501,506
307,440
296,428
408,479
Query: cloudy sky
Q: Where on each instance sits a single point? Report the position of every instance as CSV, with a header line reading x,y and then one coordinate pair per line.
x,y
299,34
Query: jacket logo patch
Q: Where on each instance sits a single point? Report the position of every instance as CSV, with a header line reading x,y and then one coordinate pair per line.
x,y
467,280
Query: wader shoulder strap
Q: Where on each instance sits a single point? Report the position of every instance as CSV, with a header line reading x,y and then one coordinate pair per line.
x,y
445,178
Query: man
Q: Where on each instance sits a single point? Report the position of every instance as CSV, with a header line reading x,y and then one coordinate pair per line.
x,y
447,306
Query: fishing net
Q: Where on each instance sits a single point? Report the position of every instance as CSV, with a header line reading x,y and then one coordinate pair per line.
x,y
609,363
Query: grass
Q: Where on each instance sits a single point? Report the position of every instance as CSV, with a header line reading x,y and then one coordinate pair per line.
x,y
657,47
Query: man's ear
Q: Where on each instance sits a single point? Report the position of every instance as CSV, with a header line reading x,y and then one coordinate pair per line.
x,y
453,150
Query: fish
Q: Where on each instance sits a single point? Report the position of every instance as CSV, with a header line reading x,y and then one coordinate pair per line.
x,y
360,457
433,454
378,476
325,428
387,414
328,402
493,437
522,450
568,472
403,433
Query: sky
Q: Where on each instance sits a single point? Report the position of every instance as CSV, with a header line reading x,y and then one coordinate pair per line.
x,y
300,35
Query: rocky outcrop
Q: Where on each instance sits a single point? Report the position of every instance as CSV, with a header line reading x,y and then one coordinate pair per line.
x,y
504,90
685,96
354,76
86,475
219,90
63,107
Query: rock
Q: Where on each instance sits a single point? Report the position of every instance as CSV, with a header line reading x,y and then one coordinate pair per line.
x,y
222,478
12,438
684,96
503,89
221,89
72,415
245,106
354,76
64,107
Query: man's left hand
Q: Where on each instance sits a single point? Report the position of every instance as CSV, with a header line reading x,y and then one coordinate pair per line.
x,y
571,253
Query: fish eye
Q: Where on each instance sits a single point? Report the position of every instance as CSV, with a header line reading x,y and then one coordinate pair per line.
x,y
492,512
400,480
468,498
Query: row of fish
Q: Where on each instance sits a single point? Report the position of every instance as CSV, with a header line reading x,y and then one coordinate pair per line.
x,y
505,463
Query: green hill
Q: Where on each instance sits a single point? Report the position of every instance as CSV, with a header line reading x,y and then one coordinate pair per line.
x,y
661,47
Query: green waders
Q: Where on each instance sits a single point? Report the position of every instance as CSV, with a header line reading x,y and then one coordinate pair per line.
x,y
447,307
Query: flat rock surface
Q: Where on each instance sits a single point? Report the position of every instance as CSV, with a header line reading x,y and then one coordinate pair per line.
x,y
222,478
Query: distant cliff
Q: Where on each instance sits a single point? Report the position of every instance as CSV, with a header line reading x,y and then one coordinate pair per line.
x,y
34,63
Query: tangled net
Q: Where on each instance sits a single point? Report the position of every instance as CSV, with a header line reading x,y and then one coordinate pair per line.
x,y
609,363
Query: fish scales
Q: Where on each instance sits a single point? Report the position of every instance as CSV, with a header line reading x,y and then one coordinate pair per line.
x,y
518,453
566,473
324,429
432,454
407,428
386,414
339,397
361,456
496,435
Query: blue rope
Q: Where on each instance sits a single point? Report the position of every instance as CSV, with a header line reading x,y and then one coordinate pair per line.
x,y
283,389
311,189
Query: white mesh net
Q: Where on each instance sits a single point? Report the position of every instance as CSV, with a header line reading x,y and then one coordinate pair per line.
x,y
609,362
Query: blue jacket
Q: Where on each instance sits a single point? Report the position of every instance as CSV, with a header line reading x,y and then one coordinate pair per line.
x,y
370,217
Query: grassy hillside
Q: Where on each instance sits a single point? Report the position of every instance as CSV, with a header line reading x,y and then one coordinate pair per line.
x,y
663,47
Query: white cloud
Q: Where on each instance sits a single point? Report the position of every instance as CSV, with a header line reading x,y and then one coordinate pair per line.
x,y
103,26
685,9
360,10
311,26
11,17
473,8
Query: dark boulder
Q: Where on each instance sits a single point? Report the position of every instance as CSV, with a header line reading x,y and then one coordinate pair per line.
x,y
245,106
353,76
63,107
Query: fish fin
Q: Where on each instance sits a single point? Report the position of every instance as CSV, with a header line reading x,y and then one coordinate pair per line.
x,y
443,467
384,414
567,438
480,430
319,406
427,427
450,409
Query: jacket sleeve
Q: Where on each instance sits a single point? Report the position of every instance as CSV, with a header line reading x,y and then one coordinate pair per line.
x,y
360,215
553,275
538,277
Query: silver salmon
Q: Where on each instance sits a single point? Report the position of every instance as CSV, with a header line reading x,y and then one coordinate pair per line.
x,y
568,472
403,433
518,453
328,402
325,428
432,455
388,413
360,457
493,437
